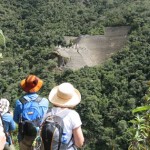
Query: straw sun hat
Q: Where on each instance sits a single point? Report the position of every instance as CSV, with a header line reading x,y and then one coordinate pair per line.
x,y
4,106
31,84
65,95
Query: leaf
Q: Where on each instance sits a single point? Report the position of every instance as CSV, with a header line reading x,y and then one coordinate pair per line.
x,y
140,109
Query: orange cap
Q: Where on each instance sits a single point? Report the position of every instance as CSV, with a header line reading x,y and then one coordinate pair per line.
x,y
31,84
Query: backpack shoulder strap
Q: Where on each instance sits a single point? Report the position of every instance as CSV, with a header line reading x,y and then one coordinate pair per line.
x,y
23,100
64,113
38,99
61,114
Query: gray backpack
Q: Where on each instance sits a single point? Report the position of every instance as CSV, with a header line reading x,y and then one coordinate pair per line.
x,y
52,131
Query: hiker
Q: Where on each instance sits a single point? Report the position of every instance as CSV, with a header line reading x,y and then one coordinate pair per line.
x,y
7,122
64,98
2,137
29,110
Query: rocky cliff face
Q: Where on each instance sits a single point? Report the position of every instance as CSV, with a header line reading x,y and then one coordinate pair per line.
x,y
92,50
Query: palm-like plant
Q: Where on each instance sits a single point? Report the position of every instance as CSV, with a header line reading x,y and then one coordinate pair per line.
x,y
140,131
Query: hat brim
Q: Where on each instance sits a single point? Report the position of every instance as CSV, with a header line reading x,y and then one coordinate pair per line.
x,y
6,108
32,90
57,101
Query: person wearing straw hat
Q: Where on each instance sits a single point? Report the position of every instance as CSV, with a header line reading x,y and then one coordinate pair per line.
x,y
29,110
7,122
65,97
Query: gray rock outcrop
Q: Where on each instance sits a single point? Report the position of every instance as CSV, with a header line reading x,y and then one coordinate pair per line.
x,y
92,50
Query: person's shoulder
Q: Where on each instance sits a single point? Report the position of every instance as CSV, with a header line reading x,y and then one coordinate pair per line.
x,y
74,119
18,102
73,113
44,98
44,101
7,117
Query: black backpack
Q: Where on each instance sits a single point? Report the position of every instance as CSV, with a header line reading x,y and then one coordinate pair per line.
x,y
30,118
52,131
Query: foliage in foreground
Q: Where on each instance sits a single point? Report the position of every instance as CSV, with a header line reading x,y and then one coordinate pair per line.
x,y
140,131
110,91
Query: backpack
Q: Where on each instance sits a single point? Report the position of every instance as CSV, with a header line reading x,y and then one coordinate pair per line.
x,y
52,131
31,116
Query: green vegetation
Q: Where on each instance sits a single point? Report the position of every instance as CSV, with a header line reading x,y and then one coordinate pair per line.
x,y
2,38
140,131
32,29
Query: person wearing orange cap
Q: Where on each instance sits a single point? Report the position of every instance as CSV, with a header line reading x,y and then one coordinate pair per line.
x,y
29,111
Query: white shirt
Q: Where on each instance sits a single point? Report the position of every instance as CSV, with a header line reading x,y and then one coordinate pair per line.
x,y
1,124
71,121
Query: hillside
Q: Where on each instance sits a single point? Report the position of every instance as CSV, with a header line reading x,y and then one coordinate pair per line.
x,y
34,28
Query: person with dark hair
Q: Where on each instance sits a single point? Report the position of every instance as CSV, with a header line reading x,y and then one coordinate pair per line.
x,y
7,123
64,99
29,111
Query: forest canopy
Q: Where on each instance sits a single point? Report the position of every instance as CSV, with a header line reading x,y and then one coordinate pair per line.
x,y
32,30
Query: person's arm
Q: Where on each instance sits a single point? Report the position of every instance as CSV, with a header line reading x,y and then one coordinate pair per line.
x,y
44,104
12,125
78,137
2,139
17,111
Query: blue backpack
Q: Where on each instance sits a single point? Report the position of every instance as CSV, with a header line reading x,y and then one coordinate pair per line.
x,y
31,116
